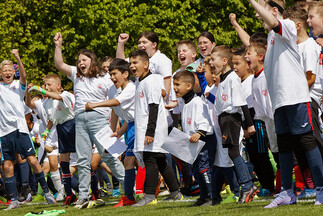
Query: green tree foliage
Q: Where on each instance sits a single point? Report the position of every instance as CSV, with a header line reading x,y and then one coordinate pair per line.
x,y
30,26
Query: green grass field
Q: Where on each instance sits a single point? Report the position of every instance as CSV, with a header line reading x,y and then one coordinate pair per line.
x,y
180,208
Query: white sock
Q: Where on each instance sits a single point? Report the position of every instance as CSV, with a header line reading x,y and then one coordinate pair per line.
x,y
56,178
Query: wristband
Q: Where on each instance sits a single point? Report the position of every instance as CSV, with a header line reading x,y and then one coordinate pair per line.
x,y
37,88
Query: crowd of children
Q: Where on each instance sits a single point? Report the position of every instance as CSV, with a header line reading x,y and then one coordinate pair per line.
x,y
256,110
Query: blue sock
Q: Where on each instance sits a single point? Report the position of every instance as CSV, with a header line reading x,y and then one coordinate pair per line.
x,y
94,182
66,177
24,173
75,182
11,185
17,174
242,172
315,163
286,161
40,177
129,182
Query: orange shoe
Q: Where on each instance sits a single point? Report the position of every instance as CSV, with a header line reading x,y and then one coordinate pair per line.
x,y
124,201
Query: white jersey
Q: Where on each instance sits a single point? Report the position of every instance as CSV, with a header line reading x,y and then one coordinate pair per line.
x,y
147,92
285,76
229,96
195,116
12,110
60,111
160,64
90,90
126,98
310,53
261,97
247,88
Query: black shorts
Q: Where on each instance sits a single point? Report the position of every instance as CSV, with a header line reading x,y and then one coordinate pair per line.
x,y
230,125
66,136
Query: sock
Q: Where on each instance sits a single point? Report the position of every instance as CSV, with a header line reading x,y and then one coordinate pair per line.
x,y
40,177
278,180
115,183
299,178
66,177
56,178
242,172
129,182
24,173
11,185
94,182
308,178
286,161
75,183
140,179
315,163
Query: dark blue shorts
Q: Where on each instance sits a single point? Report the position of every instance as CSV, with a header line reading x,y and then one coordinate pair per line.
x,y
16,142
130,138
294,119
66,136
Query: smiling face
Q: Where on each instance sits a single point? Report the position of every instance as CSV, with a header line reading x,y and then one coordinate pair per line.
x,y
315,22
240,66
105,65
52,85
185,55
7,73
138,67
181,87
149,47
252,59
84,64
218,63
119,79
205,46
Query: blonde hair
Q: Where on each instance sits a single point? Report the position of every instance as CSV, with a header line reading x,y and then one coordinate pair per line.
x,y
318,6
54,77
4,63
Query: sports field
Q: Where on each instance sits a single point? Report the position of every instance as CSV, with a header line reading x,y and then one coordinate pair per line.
x,y
180,208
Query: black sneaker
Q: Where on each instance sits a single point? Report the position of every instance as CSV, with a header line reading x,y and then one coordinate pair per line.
x,y
247,196
199,202
217,200
22,196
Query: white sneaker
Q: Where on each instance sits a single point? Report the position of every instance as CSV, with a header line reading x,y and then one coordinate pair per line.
x,y
60,196
13,205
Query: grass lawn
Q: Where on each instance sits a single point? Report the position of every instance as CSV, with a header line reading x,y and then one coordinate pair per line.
x,y
175,208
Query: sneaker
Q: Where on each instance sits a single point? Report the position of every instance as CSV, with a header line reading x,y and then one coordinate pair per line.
x,y
144,202
217,200
13,205
226,190
116,192
247,196
96,195
3,200
29,199
177,197
23,194
95,203
319,196
263,192
81,203
286,197
104,192
60,195
200,202
124,201
39,197
191,190
50,199
307,193
69,200
232,198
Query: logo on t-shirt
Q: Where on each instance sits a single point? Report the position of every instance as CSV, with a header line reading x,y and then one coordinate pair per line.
x,y
264,92
141,94
189,121
224,97
272,41
320,60
14,88
72,106
59,108
99,86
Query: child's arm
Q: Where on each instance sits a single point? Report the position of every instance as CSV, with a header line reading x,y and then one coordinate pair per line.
x,y
31,104
200,134
243,35
152,122
107,103
53,95
114,121
249,122
23,76
122,40
58,57
310,78
201,76
265,15
47,130
121,131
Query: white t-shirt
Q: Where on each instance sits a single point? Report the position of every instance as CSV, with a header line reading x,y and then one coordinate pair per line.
x,y
247,88
148,91
286,80
261,97
310,53
12,109
229,95
195,116
126,98
91,90
160,64
60,111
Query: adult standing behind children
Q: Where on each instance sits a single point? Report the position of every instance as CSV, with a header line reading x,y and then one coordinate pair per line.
x,y
91,84
205,43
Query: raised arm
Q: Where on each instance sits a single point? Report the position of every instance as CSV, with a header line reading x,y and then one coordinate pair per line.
x,y
122,40
29,102
23,75
264,14
243,35
58,57
53,95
